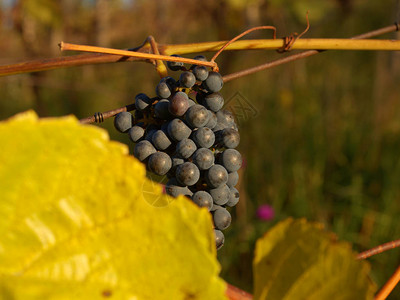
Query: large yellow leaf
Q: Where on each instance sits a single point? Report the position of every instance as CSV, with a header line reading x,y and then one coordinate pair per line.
x,y
77,221
297,260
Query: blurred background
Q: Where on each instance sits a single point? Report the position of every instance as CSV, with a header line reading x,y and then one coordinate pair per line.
x,y
320,136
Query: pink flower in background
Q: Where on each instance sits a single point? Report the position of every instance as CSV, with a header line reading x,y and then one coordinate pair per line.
x,y
265,212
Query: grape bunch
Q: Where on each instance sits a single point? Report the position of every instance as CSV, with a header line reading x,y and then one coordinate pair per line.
x,y
184,133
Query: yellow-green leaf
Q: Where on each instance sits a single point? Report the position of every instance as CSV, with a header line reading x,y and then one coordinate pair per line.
x,y
77,221
299,260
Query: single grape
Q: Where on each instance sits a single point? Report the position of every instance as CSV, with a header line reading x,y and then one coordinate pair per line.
x,y
214,82
187,79
214,101
159,163
222,218
174,188
212,120
203,158
160,140
178,130
161,110
228,138
185,148
200,72
123,121
221,194
142,101
204,137
178,104
203,199
219,238
233,197
163,90
196,116
216,176
173,65
187,173
143,150
233,179
231,160
225,117
136,133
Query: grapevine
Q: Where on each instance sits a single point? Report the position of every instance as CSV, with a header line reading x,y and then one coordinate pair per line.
x,y
183,132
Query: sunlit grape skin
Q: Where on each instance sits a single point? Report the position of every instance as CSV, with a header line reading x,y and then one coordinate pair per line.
x,y
187,174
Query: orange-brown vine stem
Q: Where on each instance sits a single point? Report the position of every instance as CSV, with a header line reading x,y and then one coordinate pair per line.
x,y
98,58
111,113
389,285
379,249
304,54
74,47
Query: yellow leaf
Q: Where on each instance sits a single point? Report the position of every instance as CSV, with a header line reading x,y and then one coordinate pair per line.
x,y
298,260
75,222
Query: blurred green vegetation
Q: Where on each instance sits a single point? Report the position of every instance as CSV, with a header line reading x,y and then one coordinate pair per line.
x,y
324,144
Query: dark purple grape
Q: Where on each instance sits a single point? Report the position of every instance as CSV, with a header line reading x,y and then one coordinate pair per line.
x,y
123,121
163,90
203,158
185,148
200,72
160,140
216,176
187,173
159,163
178,130
233,197
225,117
233,179
187,79
214,82
228,138
142,101
213,102
173,65
143,150
231,160
136,133
221,194
203,199
178,104
222,218
161,110
196,116
204,137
